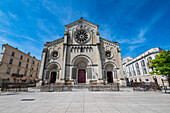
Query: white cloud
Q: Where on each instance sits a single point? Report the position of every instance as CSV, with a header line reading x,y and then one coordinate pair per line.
x,y
139,39
141,35
65,13
4,18
19,36
12,15
131,48
41,25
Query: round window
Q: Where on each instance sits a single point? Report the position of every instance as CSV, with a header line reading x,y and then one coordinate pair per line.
x,y
55,54
108,54
81,36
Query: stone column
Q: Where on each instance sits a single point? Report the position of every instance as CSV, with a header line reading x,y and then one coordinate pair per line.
x,y
99,58
71,69
64,58
120,64
41,72
45,75
103,73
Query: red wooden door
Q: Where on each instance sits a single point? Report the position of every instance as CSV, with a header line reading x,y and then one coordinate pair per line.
x,y
53,77
109,77
81,76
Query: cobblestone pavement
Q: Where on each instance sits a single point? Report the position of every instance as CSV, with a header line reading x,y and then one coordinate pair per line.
x,y
85,102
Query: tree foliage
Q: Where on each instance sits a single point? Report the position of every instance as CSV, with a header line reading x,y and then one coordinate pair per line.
x,y
161,64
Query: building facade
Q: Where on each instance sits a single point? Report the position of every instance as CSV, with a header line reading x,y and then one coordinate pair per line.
x,y
16,66
81,56
137,69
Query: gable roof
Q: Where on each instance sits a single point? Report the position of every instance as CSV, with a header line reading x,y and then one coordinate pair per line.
x,y
54,41
110,41
79,21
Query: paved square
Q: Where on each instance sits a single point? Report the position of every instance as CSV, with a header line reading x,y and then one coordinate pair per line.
x,y
85,102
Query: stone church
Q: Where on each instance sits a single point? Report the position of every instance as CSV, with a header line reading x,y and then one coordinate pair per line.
x,y
81,56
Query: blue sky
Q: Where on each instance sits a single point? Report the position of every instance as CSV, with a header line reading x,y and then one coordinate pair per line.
x,y
137,25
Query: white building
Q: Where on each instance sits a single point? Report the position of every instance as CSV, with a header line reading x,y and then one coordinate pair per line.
x,y
137,69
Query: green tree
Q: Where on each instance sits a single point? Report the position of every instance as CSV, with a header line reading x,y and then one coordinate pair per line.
x,y
161,64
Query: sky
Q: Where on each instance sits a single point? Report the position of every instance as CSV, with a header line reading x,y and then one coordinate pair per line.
x,y
137,25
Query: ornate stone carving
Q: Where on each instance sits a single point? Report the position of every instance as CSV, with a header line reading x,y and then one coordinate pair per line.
x,y
54,54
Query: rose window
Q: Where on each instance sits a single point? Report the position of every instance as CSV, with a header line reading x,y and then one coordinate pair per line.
x,y
81,36
55,54
108,54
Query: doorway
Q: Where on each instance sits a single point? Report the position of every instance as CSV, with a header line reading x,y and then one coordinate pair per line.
x,y
53,77
109,77
81,76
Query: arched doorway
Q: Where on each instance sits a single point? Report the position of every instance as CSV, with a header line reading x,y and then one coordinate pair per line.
x,y
53,77
81,76
109,77
81,72
110,74
52,73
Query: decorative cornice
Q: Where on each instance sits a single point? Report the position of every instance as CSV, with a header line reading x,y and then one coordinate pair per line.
x,y
54,42
112,43
81,20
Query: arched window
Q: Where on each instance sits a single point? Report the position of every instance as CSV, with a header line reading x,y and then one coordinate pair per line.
x,y
143,63
78,49
138,72
144,71
71,49
137,65
150,58
75,49
91,49
87,48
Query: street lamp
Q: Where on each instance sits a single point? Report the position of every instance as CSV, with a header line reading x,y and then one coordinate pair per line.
x,y
163,79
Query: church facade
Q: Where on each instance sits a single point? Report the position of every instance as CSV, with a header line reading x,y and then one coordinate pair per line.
x,y
81,56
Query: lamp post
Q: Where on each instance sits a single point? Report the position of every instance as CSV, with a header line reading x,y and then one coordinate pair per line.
x,y
163,79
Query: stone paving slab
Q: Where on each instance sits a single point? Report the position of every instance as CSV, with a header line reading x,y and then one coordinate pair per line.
x,y
85,102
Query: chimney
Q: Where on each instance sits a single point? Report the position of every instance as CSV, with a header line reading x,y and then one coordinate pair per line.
x,y
28,53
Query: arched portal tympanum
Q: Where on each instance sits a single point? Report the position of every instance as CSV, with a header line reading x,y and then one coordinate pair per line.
x,y
110,72
81,70
52,73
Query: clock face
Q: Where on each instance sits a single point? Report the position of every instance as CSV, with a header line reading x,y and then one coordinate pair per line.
x,y
81,36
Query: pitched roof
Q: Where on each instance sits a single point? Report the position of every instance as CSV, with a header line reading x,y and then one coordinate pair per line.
x,y
81,20
110,41
53,41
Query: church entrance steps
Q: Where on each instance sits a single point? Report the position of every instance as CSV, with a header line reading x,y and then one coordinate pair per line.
x,y
78,88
